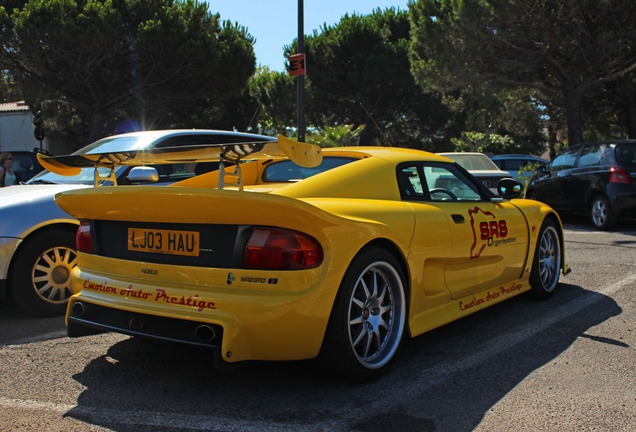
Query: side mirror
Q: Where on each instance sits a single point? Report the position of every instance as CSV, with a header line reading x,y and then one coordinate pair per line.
x,y
509,188
143,174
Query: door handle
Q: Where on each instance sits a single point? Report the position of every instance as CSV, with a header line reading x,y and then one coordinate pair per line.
x,y
457,218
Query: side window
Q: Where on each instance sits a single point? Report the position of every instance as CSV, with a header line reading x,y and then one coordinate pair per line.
x,y
625,154
564,161
514,164
436,182
591,155
410,183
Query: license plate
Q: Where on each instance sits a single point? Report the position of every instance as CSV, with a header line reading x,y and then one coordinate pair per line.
x,y
168,242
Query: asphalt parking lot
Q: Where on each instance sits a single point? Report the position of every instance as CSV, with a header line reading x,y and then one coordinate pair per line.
x,y
523,365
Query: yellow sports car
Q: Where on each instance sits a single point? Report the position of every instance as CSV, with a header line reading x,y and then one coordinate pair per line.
x,y
290,252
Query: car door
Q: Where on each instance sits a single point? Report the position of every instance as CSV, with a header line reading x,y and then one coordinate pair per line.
x,y
585,176
488,240
553,187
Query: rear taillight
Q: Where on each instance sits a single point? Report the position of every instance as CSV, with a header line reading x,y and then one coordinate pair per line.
x,y
281,249
83,239
618,175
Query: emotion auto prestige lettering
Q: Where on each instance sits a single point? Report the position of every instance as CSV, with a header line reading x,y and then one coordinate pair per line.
x,y
195,301
490,295
102,287
160,295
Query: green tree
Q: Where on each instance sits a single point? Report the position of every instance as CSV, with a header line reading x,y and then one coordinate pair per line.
x,y
336,136
276,100
9,91
161,63
563,48
358,73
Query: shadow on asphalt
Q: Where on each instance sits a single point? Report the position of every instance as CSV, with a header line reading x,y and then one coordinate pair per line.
x,y
430,388
18,327
580,223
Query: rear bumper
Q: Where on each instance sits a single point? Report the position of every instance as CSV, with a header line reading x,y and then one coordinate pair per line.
x,y
624,204
86,318
242,321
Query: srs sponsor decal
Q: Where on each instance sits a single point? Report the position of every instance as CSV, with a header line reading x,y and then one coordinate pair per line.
x,y
487,231
159,295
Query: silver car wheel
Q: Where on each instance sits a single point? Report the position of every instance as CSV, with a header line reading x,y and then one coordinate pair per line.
x,y
51,275
599,212
377,310
549,258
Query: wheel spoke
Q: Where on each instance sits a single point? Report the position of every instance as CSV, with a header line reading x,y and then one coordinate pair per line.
x,y
44,278
356,321
358,303
361,336
44,288
46,259
367,348
363,283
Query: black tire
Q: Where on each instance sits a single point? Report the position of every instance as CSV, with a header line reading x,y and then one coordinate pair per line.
x,y
368,319
601,213
39,281
546,267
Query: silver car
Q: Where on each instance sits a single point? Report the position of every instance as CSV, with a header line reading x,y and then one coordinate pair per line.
x,y
481,167
37,238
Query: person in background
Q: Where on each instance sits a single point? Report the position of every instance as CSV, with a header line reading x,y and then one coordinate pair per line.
x,y
7,176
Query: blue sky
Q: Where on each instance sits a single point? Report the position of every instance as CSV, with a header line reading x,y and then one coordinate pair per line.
x,y
274,23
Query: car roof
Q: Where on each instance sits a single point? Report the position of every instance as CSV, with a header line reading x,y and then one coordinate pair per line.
x,y
516,156
390,154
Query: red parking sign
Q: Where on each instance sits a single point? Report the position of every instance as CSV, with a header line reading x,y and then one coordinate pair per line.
x,y
297,65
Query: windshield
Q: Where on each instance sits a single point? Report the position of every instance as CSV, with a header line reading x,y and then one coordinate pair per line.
x,y
85,177
472,162
287,170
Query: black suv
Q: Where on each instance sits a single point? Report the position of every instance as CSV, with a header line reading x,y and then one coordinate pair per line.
x,y
597,179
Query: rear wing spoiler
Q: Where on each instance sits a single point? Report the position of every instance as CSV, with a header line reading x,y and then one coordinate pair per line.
x,y
303,154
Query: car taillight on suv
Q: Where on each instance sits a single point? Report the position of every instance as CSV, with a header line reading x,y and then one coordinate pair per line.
x,y
618,175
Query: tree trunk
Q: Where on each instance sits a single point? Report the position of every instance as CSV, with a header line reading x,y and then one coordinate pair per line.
x,y
631,113
97,120
552,140
574,118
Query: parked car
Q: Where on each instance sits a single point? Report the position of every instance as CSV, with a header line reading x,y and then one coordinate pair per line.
x,y
336,253
596,179
25,164
37,238
513,163
480,166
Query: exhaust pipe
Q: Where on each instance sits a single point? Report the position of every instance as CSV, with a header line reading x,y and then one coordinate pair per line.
x,y
204,333
78,309
136,324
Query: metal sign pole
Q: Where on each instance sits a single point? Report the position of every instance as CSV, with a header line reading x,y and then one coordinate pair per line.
x,y
301,78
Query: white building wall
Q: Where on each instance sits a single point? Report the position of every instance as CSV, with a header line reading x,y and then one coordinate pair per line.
x,y
16,132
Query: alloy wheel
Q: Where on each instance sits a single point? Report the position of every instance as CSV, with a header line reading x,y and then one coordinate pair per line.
x,y
51,274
